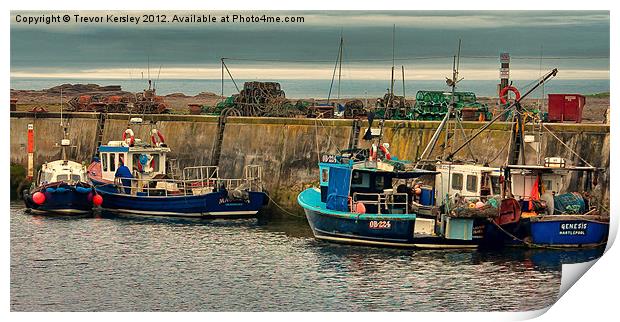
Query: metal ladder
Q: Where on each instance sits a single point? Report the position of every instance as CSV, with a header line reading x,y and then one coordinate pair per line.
x,y
100,126
355,136
217,146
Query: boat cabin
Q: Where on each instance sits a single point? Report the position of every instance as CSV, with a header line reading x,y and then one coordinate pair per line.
x,y
144,160
61,171
370,183
551,184
468,181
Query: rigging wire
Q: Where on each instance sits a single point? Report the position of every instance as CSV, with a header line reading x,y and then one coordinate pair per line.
x,y
412,58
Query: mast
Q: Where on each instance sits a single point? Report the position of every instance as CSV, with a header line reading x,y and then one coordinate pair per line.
x,y
336,66
428,150
509,108
340,64
403,72
389,103
455,74
64,132
391,99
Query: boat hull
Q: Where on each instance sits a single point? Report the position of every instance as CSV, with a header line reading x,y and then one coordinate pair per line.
x,y
572,231
371,229
210,205
63,199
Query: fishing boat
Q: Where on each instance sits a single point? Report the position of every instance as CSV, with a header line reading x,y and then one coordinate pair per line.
x,y
537,205
381,201
61,188
544,210
134,178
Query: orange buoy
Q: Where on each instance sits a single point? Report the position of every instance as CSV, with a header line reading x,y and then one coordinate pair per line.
x,y
360,208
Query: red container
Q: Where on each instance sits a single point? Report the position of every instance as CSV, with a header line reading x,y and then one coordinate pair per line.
x,y
566,107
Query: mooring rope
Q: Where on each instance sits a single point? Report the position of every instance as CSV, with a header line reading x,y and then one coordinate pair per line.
x,y
284,210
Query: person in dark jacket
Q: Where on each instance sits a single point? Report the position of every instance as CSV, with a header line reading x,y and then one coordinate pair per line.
x,y
124,173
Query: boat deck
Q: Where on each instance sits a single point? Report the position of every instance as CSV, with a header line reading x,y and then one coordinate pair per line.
x,y
311,199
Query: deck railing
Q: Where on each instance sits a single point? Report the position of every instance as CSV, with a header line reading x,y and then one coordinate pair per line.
x,y
196,181
385,201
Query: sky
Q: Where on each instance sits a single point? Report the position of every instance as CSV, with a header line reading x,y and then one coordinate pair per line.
x,y
575,42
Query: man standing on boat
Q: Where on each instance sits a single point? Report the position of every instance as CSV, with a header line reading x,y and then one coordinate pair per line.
x,y
124,173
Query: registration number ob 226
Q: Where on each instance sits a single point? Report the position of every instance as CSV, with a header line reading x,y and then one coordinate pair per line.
x,y
379,224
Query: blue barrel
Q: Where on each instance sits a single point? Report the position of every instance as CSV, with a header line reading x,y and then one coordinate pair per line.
x,y
427,197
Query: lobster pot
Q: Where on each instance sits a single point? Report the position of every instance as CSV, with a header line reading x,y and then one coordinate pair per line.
x,y
459,228
569,203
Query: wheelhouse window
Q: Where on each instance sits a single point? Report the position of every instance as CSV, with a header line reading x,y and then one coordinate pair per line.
x,y
76,177
379,182
457,181
495,185
472,183
45,177
104,161
324,175
155,162
360,180
62,177
112,162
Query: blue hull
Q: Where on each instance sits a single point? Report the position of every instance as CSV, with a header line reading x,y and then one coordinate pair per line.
x,y
213,204
63,199
391,230
569,233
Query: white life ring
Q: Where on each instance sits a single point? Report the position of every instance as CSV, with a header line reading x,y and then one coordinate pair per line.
x,y
128,137
384,148
157,138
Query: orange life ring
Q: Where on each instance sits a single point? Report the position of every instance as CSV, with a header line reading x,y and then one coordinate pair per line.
x,y
504,91
132,139
385,151
157,138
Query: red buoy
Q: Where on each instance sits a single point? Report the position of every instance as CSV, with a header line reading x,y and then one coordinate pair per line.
x,y
97,200
38,197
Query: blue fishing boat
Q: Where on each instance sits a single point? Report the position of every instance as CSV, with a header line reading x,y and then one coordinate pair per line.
x,y
61,188
546,212
379,202
134,178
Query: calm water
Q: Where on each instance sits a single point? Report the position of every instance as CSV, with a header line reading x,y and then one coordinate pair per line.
x,y
319,88
116,264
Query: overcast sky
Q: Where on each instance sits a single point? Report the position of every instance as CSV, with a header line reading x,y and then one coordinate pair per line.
x,y
576,42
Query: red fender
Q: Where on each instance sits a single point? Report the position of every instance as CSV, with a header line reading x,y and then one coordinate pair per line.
x,y
132,139
504,91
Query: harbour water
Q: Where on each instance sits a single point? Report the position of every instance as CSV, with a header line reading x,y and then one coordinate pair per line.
x,y
267,264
